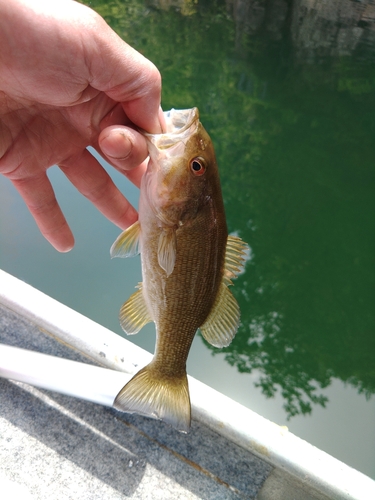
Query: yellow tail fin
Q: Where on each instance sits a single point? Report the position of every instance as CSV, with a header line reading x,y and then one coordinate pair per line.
x,y
155,395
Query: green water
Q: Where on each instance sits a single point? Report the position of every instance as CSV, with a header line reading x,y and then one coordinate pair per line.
x,y
293,125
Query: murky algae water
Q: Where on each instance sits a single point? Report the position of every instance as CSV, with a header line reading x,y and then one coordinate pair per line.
x,y
288,97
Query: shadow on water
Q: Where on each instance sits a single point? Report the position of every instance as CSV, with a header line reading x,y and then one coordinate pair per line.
x,y
287,93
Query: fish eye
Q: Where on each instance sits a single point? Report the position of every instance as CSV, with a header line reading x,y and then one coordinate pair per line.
x,y
198,166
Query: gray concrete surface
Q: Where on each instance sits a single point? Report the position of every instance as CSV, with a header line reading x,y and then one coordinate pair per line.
x,y
53,446
56,447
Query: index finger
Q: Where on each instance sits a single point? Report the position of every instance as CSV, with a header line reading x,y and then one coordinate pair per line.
x,y
128,78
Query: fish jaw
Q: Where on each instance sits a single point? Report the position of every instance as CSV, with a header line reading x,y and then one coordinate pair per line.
x,y
174,192
165,148
167,194
180,124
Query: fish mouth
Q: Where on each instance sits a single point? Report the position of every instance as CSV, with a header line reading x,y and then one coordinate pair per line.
x,y
167,151
179,120
180,123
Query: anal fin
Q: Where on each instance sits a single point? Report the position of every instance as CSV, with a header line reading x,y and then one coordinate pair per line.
x,y
134,314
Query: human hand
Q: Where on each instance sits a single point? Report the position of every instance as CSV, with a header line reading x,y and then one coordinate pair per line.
x,y
68,81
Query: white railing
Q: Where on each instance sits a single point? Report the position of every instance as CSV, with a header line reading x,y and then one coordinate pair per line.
x,y
120,359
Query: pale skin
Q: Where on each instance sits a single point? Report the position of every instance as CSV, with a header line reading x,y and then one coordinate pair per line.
x,y
68,81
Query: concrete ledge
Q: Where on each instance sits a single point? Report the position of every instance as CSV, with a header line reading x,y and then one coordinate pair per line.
x,y
297,465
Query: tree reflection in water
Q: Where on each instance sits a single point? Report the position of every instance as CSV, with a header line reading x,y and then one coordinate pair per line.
x,y
287,93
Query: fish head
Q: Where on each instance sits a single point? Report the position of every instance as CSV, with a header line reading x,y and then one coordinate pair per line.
x,y
181,167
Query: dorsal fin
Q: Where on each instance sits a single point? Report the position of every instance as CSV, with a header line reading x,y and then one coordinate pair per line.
x,y
235,256
222,323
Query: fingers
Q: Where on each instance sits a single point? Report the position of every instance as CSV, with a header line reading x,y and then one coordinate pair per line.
x,y
125,149
140,93
129,78
40,199
147,119
91,180
89,177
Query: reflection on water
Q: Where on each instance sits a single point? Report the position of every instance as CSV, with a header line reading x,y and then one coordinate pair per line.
x,y
287,92
314,29
294,131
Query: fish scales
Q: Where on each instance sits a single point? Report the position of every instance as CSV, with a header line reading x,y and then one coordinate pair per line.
x,y
188,261
188,292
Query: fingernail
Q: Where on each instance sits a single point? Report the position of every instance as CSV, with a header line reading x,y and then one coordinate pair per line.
x,y
163,125
116,145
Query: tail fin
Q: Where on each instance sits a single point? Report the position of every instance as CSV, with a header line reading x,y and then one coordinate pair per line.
x,y
155,395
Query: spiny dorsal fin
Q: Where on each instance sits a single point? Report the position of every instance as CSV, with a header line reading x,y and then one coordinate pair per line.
x,y
151,394
127,244
167,249
222,323
235,256
134,314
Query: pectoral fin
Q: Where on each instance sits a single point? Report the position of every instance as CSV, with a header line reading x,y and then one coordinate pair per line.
x,y
134,314
222,323
127,244
167,250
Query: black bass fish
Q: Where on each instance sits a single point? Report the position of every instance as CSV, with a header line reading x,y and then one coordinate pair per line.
x,y
188,262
